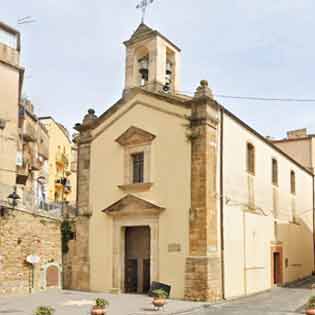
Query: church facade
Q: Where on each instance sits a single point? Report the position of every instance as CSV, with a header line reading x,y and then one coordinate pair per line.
x,y
178,190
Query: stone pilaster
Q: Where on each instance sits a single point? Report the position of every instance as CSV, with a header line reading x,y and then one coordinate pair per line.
x,y
203,277
79,249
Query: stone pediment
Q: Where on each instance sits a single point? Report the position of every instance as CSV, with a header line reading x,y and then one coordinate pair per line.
x,y
131,204
134,136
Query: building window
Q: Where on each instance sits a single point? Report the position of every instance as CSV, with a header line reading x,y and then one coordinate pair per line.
x,y
250,158
293,184
274,171
137,167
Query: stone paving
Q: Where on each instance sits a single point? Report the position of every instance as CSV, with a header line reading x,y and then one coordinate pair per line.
x,y
279,301
79,303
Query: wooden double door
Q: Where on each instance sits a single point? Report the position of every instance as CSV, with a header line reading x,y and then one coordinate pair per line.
x,y
137,259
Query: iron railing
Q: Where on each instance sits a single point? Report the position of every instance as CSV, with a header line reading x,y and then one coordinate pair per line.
x,y
28,201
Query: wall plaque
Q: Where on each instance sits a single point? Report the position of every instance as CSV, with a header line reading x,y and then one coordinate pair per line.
x,y
174,247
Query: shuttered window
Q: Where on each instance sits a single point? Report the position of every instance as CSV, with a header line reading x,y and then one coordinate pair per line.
x,y
274,171
250,158
137,167
293,184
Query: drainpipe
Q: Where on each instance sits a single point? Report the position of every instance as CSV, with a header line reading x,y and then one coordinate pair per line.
x,y
222,201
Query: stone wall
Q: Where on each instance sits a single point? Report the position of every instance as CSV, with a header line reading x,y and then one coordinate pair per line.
x,y
77,260
24,233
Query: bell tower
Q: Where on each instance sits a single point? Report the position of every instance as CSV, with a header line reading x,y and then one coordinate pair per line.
x,y
152,62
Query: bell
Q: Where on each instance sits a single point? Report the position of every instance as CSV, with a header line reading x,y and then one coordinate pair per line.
x,y
144,74
166,88
144,68
169,67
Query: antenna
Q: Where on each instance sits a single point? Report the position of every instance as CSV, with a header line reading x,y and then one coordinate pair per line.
x,y
143,6
26,20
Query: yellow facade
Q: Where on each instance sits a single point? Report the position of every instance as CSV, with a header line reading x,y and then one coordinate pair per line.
x,y
62,177
171,188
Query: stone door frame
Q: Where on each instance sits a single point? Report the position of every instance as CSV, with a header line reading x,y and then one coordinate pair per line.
x,y
44,275
120,224
277,249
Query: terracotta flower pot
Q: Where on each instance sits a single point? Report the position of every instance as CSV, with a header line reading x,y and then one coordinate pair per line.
x,y
98,311
310,311
158,302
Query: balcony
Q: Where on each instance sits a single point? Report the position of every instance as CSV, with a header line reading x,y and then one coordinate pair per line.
x,y
29,133
36,165
60,183
62,160
22,174
43,150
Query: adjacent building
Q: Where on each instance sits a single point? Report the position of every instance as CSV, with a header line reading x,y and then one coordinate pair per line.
x,y
177,189
25,228
32,158
300,146
61,164
11,78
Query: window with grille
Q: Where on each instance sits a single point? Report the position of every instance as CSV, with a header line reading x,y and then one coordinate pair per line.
x,y
274,171
137,167
250,158
292,180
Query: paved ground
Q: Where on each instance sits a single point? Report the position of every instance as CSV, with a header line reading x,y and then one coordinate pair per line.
x,y
79,303
280,301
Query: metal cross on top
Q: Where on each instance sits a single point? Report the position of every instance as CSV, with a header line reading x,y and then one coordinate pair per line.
x,y
143,6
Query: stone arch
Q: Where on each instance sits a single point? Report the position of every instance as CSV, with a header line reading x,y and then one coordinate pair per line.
x,y
51,276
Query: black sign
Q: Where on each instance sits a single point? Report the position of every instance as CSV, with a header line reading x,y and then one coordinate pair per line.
x,y
159,286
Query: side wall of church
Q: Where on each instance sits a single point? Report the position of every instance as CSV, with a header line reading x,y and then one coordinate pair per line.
x,y
250,233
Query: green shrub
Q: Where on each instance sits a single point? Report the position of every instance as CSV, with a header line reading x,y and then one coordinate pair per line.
x,y
101,303
311,303
160,293
44,310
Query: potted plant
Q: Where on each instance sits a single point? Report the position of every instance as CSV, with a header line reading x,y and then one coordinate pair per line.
x,y
159,298
44,310
310,306
100,307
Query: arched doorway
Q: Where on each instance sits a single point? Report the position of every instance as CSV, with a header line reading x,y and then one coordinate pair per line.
x,y
52,277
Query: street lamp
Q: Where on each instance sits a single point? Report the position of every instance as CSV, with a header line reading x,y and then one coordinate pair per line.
x,y
13,198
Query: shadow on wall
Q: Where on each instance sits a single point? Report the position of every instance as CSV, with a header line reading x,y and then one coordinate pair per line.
x,y
296,240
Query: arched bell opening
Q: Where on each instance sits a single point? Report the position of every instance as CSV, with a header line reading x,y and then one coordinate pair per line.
x,y
142,65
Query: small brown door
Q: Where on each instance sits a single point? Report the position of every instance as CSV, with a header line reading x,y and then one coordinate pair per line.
x,y
52,277
137,259
276,268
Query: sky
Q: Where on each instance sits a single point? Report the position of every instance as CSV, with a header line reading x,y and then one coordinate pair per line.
x,y
74,56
